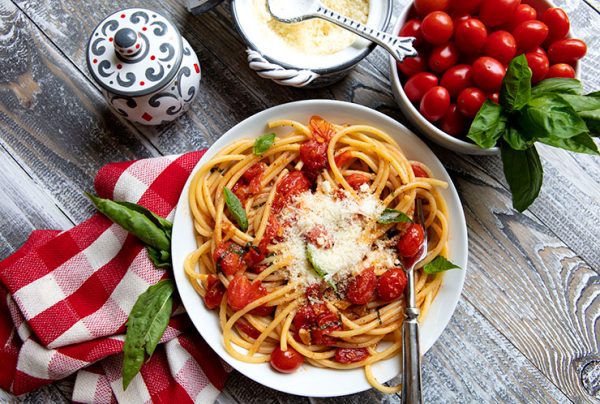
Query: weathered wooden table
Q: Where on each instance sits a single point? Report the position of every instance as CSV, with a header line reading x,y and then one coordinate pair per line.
x,y
527,328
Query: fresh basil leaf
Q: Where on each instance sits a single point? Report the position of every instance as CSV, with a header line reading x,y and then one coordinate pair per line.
x,y
594,94
393,216
310,256
592,120
439,264
488,126
517,139
551,116
160,259
524,173
236,209
557,85
516,86
581,144
263,143
159,221
582,103
146,324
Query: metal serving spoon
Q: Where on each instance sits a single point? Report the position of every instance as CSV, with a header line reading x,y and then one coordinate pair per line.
x,y
292,11
411,352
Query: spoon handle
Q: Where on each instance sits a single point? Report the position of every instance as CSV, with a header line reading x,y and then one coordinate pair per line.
x,y
398,47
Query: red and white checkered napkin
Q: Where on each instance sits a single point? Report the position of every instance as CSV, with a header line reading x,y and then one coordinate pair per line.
x,y
68,295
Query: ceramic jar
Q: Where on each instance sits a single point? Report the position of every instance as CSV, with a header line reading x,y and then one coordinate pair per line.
x,y
148,72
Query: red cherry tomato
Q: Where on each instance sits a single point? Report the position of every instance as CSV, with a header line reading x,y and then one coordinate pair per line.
x,y
410,242
228,257
453,122
214,292
411,66
561,70
351,355
356,180
239,292
435,103
530,34
457,18
314,155
497,12
465,6
419,171
294,183
540,50
470,35
391,284
443,57
567,51
456,79
437,27
539,66
524,12
425,7
558,23
470,100
361,288
494,97
501,46
418,85
286,361
488,73
412,28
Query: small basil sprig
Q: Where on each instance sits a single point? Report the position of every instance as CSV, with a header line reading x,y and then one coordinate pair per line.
x,y
393,216
263,143
553,112
236,209
439,264
310,256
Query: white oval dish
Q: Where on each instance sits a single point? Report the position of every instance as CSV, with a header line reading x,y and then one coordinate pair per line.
x,y
309,380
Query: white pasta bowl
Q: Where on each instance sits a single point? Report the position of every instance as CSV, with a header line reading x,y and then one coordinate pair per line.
x,y
309,380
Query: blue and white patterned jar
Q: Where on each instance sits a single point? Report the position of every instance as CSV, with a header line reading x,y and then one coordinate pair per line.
x,y
148,72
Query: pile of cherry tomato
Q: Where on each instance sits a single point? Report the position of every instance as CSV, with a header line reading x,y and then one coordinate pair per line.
x,y
465,47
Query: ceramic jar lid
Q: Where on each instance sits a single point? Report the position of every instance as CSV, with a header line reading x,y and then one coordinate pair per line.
x,y
134,52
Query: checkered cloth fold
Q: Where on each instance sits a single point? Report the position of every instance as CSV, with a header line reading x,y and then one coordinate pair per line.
x,y
65,297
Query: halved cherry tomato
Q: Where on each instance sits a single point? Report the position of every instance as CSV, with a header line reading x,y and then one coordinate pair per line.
x,y
437,27
488,73
443,57
410,242
228,257
351,355
524,12
419,171
530,34
413,28
453,122
417,86
292,184
327,323
435,103
500,45
356,180
558,23
361,288
561,70
539,66
214,292
567,51
286,361
465,6
425,7
456,79
391,284
470,36
411,66
470,100
497,12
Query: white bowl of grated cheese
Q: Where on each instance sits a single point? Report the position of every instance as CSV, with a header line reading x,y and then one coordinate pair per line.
x,y
312,53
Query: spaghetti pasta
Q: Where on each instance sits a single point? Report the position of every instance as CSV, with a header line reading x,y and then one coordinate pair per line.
x,y
317,270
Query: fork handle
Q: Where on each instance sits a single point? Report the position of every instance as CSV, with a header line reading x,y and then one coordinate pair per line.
x,y
411,359
398,47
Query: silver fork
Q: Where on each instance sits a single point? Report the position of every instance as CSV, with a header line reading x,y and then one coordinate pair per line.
x,y
411,352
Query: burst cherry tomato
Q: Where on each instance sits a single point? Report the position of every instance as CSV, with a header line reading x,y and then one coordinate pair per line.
x,y
465,6
470,100
435,103
443,57
488,73
501,46
214,292
558,23
470,35
419,171
567,51
391,284
496,12
456,79
524,12
437,27
362,287
418,85
425,7
286,361
228,258
453,122
539,66
561,70
411,241
412,28
412,66
357,180
294,183
239,292
314,155
530,34
351,355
